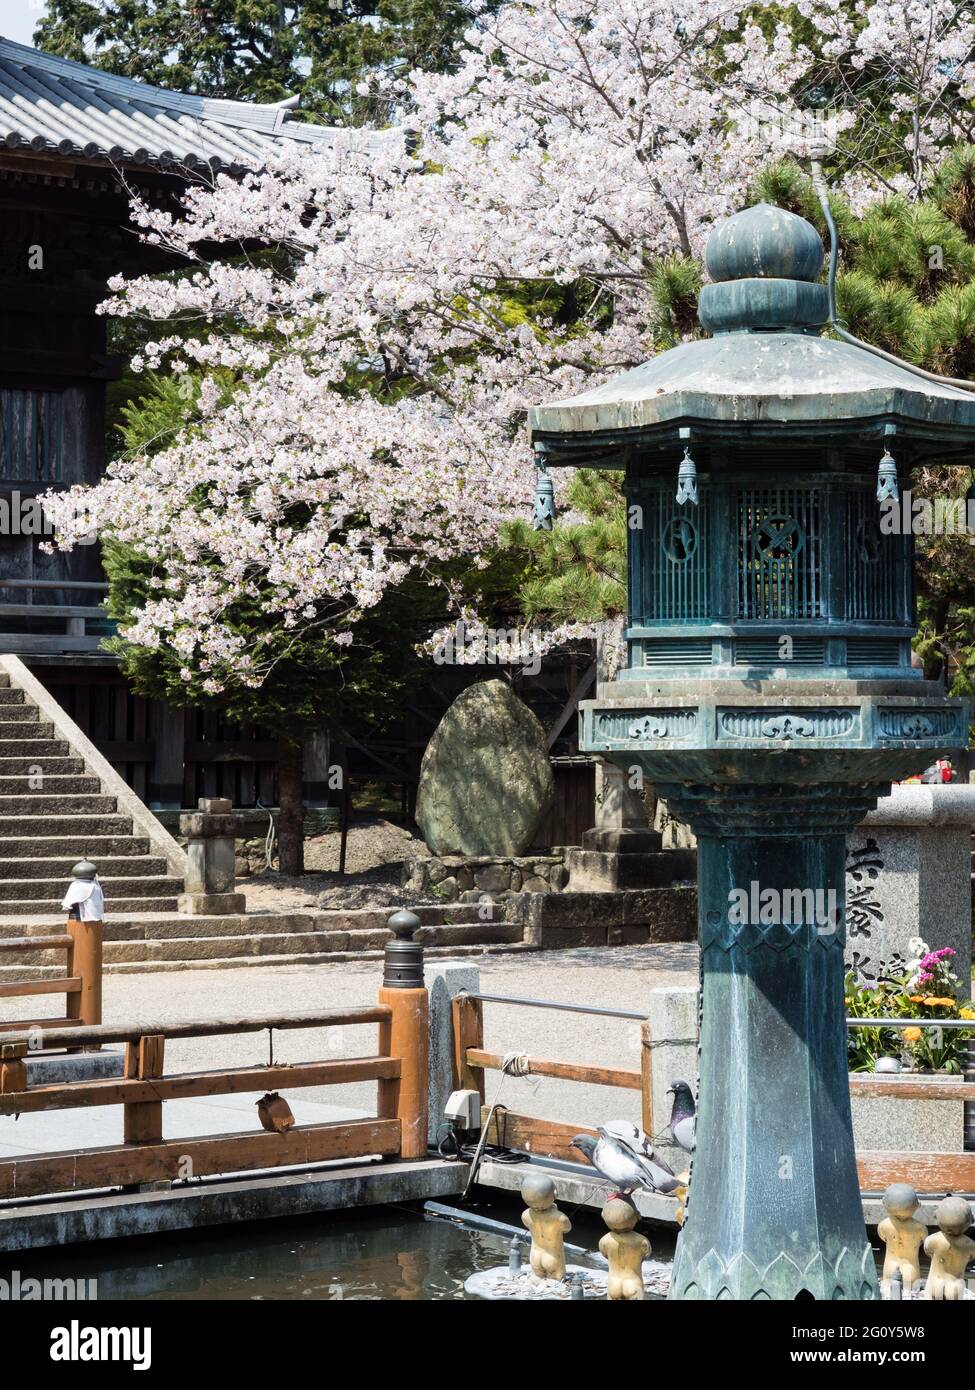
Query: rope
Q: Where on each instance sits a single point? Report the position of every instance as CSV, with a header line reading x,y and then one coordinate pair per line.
x,y
512,1064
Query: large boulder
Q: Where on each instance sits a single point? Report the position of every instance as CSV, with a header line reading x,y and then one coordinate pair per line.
x,y
486,780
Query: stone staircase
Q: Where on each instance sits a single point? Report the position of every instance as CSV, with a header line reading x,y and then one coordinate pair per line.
x,y
142,941
60,801
54,810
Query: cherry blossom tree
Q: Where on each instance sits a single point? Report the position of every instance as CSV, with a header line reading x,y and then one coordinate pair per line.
x,y
384,317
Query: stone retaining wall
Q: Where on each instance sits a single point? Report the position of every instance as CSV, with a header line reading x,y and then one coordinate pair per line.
x,y
459,878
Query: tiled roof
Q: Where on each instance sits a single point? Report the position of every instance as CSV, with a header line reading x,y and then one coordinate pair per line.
x,y
57,107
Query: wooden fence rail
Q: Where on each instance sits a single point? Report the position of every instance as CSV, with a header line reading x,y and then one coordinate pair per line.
x,y
931,1172
145,1156
81,983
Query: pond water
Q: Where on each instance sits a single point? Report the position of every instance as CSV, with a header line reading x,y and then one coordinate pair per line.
x,y
381,1253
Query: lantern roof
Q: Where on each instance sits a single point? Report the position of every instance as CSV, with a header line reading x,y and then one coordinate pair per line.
x,y
766,369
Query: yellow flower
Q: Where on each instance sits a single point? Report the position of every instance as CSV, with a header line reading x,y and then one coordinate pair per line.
x,y
917,998
935,1001
966,1013
912,1035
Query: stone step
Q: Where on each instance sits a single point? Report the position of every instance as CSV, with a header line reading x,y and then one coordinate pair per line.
x,y
53,889
4,680
24,726
194,947
250,950
16,712
67,826
28,909
26,969
313,958
70,804
53,870
97,847
34,748
50,767
50,784
10,696
161,925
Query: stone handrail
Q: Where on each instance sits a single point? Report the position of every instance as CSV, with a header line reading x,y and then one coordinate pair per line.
x,y
921,803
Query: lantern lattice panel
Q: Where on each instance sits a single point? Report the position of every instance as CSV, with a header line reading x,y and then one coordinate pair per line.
x,y
677,557
877,569
780,553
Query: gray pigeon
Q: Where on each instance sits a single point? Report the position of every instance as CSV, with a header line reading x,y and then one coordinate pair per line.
x,y
626,1162
683,1120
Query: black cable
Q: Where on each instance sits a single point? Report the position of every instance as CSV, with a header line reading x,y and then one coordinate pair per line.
x,y
454,1150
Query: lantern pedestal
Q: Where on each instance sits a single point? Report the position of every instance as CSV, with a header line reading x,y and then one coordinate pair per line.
x,y
774,1208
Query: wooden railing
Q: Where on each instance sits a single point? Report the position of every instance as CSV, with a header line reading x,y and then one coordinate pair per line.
x,y
81,983
928,1172
539,1137
75,637
397,1129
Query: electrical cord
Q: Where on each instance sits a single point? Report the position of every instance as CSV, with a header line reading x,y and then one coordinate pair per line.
x,y
512,1064
455,1150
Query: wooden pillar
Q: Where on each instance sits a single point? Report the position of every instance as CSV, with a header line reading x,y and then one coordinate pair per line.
x,y
165,790
144,1061
13,1068
85,962
317,761
406,1035
646,1078
468,1028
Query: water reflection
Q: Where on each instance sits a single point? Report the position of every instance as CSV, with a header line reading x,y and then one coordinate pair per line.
x,y
383,1254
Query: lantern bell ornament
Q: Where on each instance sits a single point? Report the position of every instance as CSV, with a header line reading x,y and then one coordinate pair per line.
x,y
543,516
769,696
687,480
887,478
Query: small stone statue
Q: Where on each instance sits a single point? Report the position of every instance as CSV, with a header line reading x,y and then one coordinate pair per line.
x,y
902,1234
624,1249
950,1250
547,1225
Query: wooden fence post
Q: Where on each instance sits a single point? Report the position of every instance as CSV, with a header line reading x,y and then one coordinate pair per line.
x,y
13,1068
85,962
646,1078
406,1035
143,1119
468,1025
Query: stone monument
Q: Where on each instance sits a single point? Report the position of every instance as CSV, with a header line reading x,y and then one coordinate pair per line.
x,y
908,873
486,778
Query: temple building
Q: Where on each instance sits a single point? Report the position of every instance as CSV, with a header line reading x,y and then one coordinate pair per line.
x,y
76,144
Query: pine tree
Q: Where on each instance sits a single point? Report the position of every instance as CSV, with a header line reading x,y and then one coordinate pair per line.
x,y
261,50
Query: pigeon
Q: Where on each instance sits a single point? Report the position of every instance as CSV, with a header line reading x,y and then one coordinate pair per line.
x,y
623,1155
683,1120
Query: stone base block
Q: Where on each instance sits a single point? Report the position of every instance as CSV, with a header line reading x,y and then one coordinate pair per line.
x,y
613,919
211,904
598,871
622,841
910,1126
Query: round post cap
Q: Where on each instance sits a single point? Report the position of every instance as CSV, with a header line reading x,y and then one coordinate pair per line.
x,y
85,870
403,957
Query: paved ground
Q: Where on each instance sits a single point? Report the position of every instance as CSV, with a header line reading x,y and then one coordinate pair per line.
x,y
619,977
